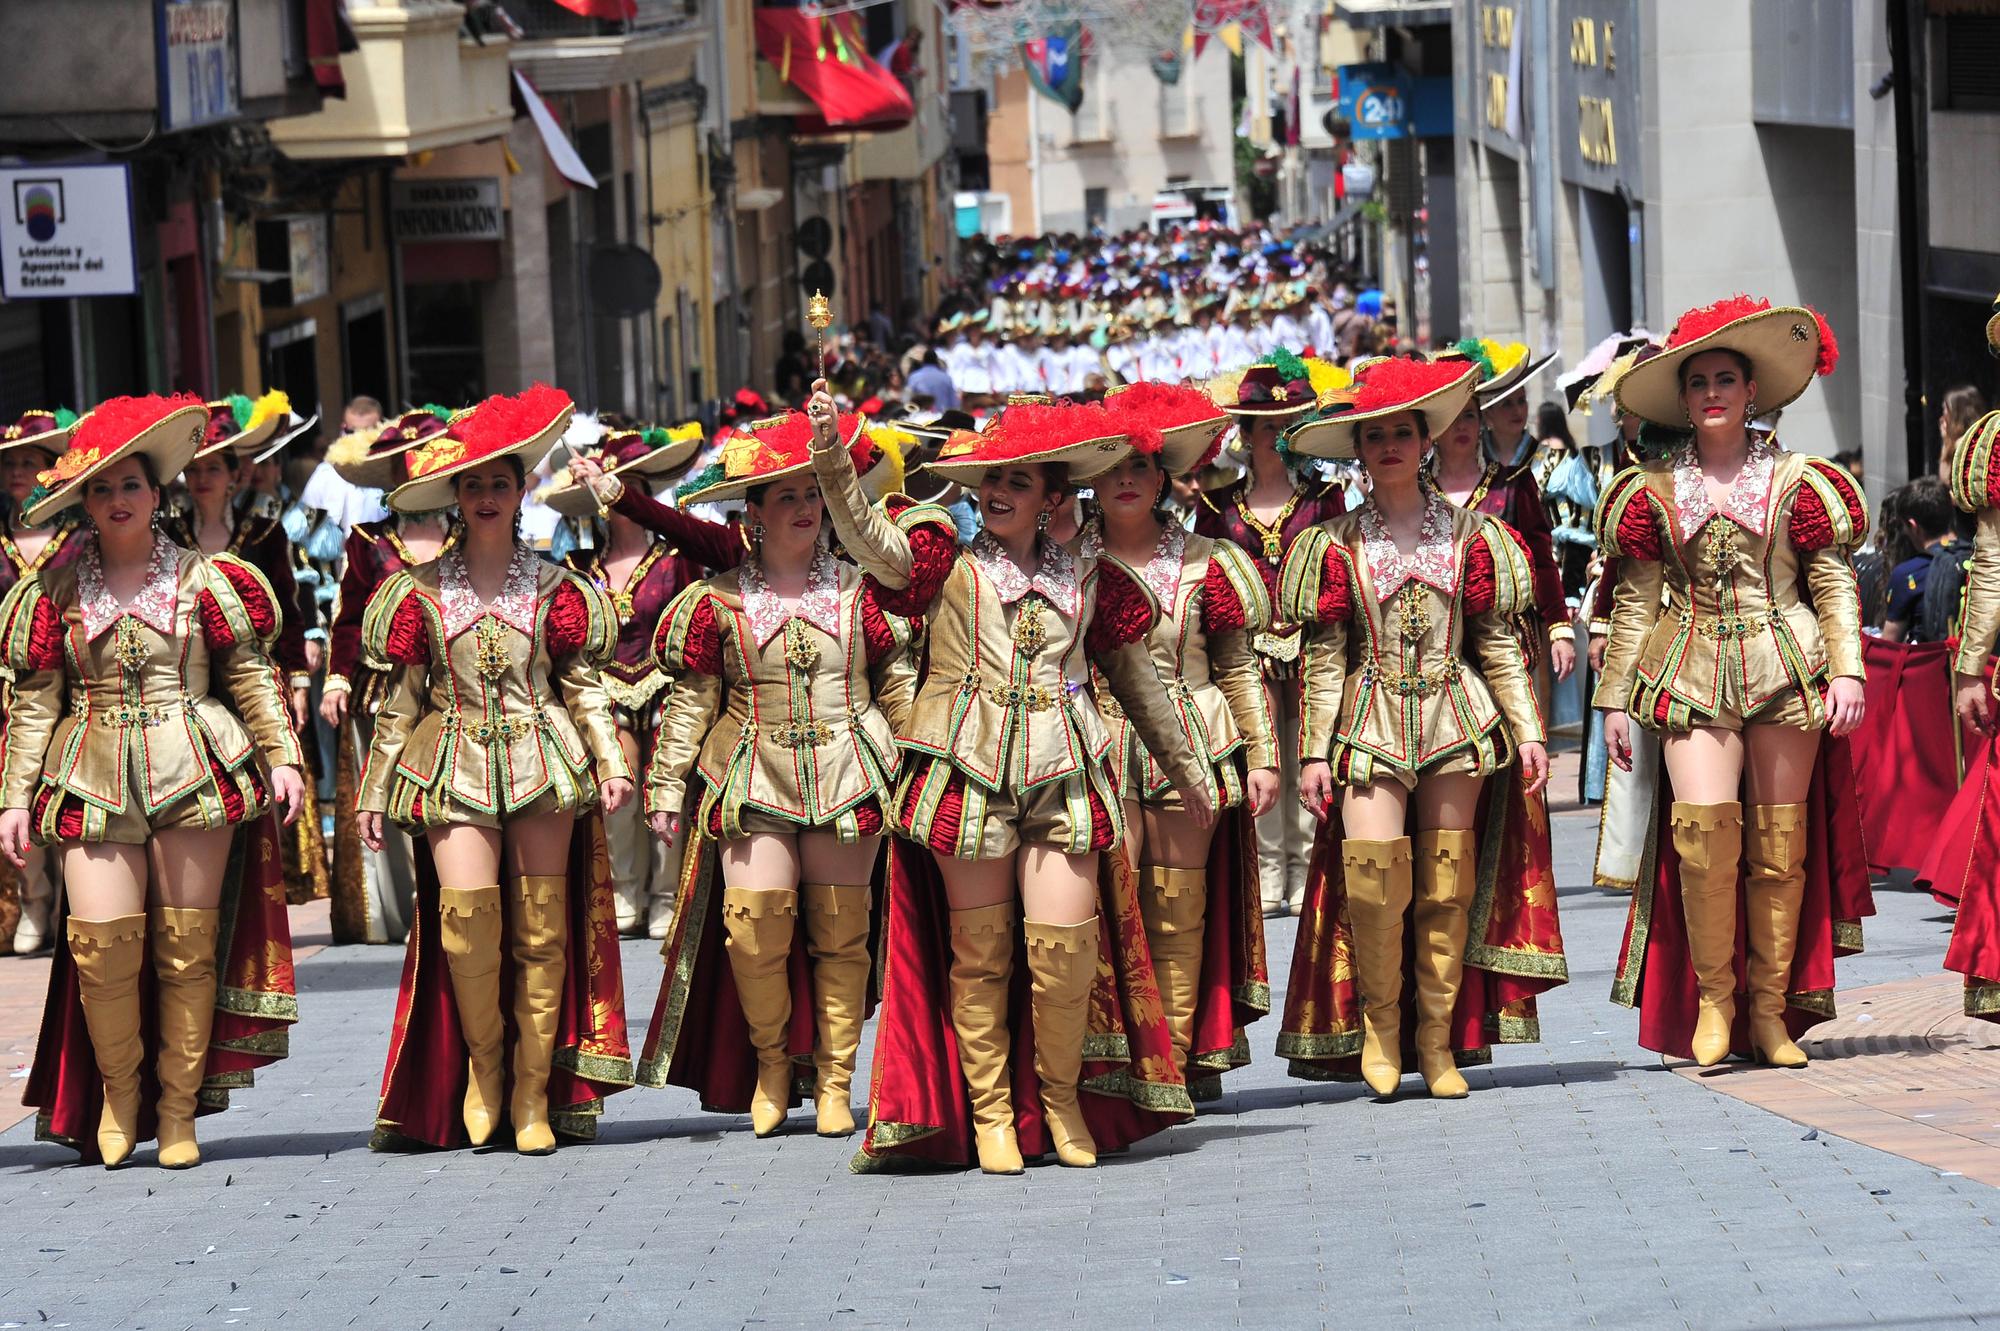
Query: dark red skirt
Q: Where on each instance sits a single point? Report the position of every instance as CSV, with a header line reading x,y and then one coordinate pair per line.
x,y
1907,755
255,1005
423,1084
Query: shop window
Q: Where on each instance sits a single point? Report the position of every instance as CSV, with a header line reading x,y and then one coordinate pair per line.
x,y
1967,62
446,352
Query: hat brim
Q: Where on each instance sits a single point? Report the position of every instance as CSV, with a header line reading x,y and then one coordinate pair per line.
x,y
663,461
1993,334
735,487
1781,344
171,442
277,445
436,491
353,461
1514,380
1087,459
52,442
243,441
1332,437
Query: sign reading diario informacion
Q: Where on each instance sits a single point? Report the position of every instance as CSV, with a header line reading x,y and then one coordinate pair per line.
x,y
458,209
66,230
197,45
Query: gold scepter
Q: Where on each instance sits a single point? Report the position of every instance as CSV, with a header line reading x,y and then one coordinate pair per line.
x,y
819,313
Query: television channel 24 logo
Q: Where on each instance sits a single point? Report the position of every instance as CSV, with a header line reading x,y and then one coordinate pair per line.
x,y
1379,106
38,207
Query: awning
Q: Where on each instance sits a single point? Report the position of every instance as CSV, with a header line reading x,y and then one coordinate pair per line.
x,y
562,153
827,59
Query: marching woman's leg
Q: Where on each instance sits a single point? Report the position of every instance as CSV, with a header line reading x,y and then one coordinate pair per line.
x,y
538,925
1173,899
1375,856
836,879
760,911
187,869
1705,768
1059,894
1446,864
468,869
630,846
106,885
983,915
1779,762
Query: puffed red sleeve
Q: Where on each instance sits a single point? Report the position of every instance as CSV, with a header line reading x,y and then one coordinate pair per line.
x,y
1221,608
933,551
45,636
701,650
1813,525
567,627
257,605
1123,614
406,643
877,633
1479,584
1336,591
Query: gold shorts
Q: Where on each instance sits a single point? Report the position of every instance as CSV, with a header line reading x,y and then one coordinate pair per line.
x,y
863,820
230,798
939,807
449,812
1484,756
1795,709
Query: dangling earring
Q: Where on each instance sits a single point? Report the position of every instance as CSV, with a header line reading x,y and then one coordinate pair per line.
x,y
1042,521
1750,411
757,534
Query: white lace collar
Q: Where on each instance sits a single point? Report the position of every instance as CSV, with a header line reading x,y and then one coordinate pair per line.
x,y
515,605
1749,505
1432,562
820,606
1054,578
1162,572
156,602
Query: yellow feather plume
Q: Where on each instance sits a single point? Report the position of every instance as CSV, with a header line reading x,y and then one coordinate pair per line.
x,y
1325,376
895,445
348,450
273,403
1504,355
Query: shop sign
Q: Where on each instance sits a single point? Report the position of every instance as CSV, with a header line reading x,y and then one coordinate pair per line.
x,y
1384,101
446,210
197,44
307,237
66,231
1597,97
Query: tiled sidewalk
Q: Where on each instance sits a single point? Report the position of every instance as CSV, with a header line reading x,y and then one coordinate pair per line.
x,y
1902,1069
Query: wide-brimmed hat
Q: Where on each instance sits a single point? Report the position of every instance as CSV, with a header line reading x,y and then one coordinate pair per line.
x,y
242,425
765,451
1437,390
45,428
1586,385
1179,423
367,458
525,426
1512,364
1787,347
1993,329
652,452
166,429
1034,428
1278,385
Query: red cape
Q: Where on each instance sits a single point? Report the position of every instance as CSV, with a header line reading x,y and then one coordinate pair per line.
x,y
1655,974
1908,754
255,1004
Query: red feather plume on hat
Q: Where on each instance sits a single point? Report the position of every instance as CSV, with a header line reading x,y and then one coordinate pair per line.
x,y
116,421
1030,427
1393,383
1705,319
1146,410
501,422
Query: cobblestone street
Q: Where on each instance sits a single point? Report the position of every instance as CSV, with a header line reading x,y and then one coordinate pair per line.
x,y
1580,1185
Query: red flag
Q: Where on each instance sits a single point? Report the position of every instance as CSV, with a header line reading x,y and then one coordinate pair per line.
x,y
827,60
611,9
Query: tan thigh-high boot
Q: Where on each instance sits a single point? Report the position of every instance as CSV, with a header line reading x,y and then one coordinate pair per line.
x,y
982,969
757,932
1709,840
469,935
184,966
108,955
1378,897
540,935
837,938
1174,904
1062,958
1445,879
1774,893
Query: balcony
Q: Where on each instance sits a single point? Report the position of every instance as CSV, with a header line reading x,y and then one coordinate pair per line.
x,y
415,84
565,52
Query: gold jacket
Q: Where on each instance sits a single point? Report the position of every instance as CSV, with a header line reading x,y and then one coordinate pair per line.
x,y
1738,629
109,698
1975,487
777,710
1212,674
1410,659
1005,697
490,705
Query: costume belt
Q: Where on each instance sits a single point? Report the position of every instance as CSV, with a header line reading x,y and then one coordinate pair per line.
x,y
1410,684
1032,697
809,734
484,731
1725,628
141,715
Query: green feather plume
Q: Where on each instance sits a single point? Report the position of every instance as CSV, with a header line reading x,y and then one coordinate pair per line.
x,y
1475,350
64,418
1288,365
712,474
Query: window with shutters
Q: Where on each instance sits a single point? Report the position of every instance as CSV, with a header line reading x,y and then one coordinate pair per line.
x,y
1965,63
